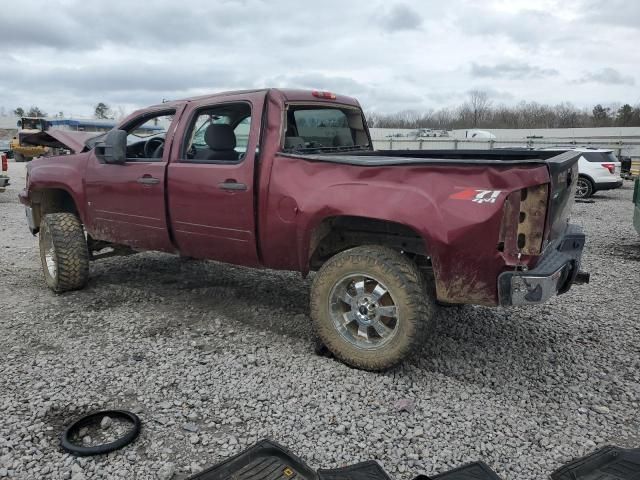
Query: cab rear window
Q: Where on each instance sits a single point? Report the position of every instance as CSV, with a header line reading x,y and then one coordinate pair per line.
x,y
316,128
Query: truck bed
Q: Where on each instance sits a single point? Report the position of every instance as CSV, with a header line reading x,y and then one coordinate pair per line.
x,y
559,160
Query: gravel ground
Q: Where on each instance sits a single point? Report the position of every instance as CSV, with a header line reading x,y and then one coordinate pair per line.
x,y
215,357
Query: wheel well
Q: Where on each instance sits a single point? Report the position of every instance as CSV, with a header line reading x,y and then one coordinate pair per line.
x,y
336,234
51,200
584,175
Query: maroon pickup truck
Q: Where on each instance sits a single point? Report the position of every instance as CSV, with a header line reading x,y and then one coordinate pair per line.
x,y
288,179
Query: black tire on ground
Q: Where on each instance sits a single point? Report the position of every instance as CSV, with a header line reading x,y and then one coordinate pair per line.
x,y
18,157
585,188
405,289
63,252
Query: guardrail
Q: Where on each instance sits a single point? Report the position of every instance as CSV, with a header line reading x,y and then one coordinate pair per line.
x,y
620,145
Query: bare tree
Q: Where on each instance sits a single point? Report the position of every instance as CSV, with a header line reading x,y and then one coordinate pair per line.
x,y
479,113
480,105
118,112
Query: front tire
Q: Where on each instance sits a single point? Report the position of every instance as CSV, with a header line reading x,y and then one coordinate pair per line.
x,y
63,252
584,188
18,157
371,307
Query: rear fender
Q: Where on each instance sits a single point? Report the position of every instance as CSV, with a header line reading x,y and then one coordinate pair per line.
x,y
458,216
311,232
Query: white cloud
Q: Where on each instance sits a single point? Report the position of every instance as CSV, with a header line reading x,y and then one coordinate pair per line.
x,y
392,55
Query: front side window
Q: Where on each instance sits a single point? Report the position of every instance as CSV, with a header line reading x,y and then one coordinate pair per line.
x,y
317,128
218,134
145,138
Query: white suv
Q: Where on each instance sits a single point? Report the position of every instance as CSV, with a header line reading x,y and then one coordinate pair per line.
x,y
598,169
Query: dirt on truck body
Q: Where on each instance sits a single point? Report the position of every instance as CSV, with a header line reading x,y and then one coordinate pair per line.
x,y
288,179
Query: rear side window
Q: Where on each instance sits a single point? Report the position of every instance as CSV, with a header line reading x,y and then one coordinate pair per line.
x,y
599,157
218,134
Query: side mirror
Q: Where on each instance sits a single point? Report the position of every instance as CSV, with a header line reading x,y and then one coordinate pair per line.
x,y
113,149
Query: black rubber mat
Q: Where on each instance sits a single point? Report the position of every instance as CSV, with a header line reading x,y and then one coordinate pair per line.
x,y
470,471
266,460
607,463
369,470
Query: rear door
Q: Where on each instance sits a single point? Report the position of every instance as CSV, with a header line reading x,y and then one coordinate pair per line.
x,y
126,203
211,188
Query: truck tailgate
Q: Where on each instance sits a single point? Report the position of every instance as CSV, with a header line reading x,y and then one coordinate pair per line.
x,y
563,171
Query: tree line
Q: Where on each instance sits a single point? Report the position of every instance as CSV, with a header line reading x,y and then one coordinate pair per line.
x,y
101,111
480,112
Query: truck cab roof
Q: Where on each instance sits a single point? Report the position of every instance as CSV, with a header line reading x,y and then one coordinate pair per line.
x,y
287,94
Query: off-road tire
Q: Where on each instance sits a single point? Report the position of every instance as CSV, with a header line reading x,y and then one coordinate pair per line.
x,y
412,296
589,188
70,253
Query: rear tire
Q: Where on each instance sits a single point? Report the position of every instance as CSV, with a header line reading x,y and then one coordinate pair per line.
x,y
371,307
584,188
63,252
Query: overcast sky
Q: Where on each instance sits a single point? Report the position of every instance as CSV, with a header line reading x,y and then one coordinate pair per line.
x,y
392,55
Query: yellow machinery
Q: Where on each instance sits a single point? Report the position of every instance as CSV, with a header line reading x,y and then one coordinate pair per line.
x,y
635,167
26,126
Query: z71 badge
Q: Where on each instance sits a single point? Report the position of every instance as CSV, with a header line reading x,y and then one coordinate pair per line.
x,y
477,195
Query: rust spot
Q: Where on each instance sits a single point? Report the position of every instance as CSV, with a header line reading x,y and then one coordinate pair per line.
x,y
532,215
463,285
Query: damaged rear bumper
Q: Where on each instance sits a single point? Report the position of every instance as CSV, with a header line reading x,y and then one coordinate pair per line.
x,y
557,270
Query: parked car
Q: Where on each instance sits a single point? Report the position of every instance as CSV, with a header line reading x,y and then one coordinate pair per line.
x,y
4,177
5,147
636,202
625,168
388,233
599,169
479,135
425,133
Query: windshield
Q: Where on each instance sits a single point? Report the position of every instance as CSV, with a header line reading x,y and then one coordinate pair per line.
x,y
313,128
32,123
152,127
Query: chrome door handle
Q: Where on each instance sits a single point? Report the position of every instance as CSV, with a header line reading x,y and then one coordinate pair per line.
x,y
148,180
232,186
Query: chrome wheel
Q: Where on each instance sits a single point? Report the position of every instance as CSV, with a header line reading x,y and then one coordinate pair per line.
x,y
363,311
49,254
582,188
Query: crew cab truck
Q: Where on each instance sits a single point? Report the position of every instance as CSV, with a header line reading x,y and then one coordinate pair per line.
x,y
288,179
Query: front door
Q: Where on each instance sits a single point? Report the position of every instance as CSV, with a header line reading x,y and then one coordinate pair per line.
x,y
126,203
211,182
